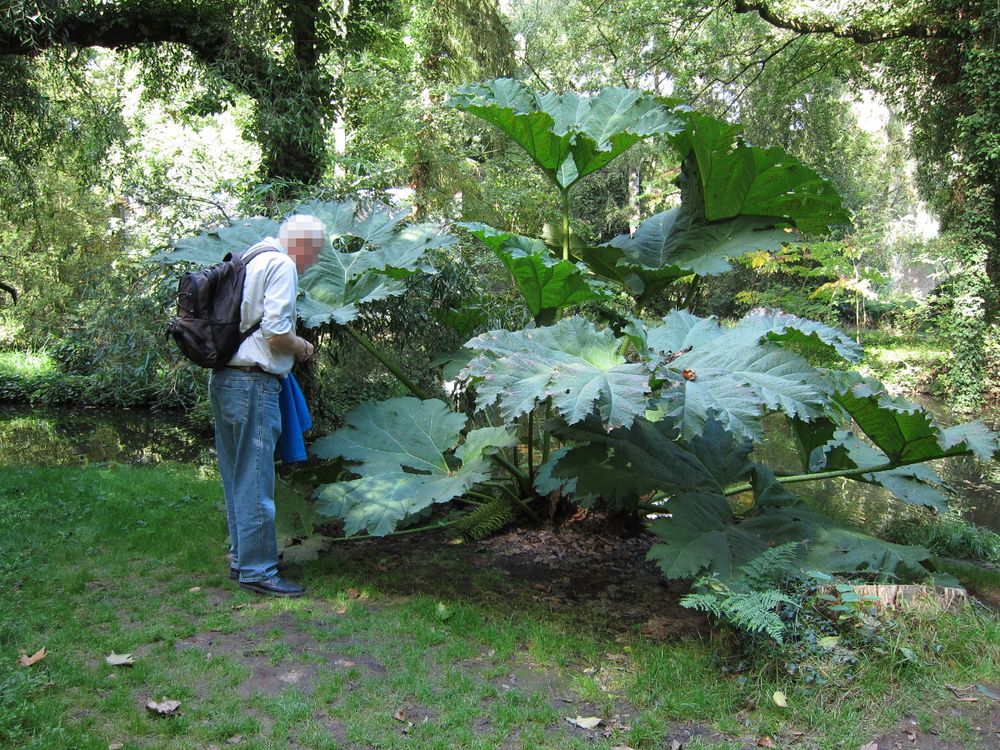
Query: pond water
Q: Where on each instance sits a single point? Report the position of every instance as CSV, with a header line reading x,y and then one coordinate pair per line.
x,y
57,436
54,436
975,486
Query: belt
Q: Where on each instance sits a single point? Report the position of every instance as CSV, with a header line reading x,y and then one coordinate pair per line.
x,y
250,368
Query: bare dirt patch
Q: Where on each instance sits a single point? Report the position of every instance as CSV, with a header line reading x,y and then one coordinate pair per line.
x,y
280,654
982,731
583,569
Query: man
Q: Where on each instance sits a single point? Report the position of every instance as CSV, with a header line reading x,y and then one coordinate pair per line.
x,y
244,398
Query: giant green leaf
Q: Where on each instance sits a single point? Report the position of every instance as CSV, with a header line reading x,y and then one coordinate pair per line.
x,y
546,284
645,457
780,517
640,282
567,135
369,250
571,362
781,327
974,437
210,247
337,283
735,373
703,534
352,226
811,435
735,382
609,262
406,251
670,239
717,395
588,474
377,237
680,330
903,430
737,179
408,456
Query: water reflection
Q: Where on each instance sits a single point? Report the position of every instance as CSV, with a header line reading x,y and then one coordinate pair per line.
x,y
975,486
58,436
54,436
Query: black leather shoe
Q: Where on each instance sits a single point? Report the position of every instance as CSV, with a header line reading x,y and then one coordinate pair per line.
x,y
274,586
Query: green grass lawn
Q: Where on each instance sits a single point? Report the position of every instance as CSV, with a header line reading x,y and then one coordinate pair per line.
x,y
386,651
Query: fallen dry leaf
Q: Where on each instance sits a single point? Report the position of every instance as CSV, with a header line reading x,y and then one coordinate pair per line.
x,y
765,741
991,694
399,715
119,660
779,699
165,707
588,722
27,661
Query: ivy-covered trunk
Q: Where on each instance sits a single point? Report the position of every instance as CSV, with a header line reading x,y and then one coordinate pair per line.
x,y
976,195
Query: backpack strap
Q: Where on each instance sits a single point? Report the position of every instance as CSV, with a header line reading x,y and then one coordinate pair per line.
x,y
259,249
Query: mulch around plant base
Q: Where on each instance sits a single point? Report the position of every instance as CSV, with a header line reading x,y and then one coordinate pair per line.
x,y
581,568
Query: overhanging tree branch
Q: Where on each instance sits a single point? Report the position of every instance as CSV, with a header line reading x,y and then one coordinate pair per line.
x,y
915,30
291,145
196,26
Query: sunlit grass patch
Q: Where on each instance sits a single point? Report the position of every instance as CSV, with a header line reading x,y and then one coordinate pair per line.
x,y
26,364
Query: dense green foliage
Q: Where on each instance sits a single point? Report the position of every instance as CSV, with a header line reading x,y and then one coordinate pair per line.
x,y
373,88
939,60
652,416
720,210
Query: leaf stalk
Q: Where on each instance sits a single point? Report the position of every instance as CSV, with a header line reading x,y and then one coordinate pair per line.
x,y
834,474
387,362
564,194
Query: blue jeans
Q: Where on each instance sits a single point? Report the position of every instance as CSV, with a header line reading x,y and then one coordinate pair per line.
x,y
247,426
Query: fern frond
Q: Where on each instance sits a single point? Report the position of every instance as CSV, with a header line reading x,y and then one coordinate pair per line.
x,y
770,567
709,603
756,612
485,520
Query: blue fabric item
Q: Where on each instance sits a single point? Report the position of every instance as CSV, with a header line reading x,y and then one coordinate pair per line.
x,y
295,420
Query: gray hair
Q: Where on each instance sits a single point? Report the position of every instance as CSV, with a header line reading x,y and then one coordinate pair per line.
x,y
301,225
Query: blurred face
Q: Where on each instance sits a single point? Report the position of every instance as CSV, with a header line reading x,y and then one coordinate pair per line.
x,y
304,250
